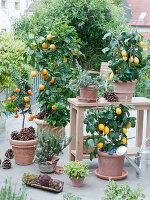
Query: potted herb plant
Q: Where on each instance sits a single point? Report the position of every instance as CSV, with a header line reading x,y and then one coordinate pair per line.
x,y
49,145
125,54
23,142
55,57
77,171
88,86
108,128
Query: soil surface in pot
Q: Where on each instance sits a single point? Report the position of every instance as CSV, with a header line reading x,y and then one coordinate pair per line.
x,y
43,114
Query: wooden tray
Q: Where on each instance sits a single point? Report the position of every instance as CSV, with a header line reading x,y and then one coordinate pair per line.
x,y
48,188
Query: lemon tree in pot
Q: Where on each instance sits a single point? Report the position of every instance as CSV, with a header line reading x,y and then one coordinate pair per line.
x,y
23,142
87,85
50,143
53,56
108,128
77,172
125,54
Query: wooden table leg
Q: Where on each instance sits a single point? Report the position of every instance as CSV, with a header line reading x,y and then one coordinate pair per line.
x,y
72,145
148,127
79,134
139,127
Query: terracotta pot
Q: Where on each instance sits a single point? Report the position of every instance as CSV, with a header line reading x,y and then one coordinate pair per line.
x,y
88,93
24,151
47,167
110,165
43,125
76,182
124,90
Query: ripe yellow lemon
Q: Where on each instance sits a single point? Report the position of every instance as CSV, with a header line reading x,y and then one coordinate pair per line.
x,y
118,111
129,125
41,87
49,37
131,59
125,58
106,130
101,127
100,145
136,60
124,53
140,44
124,140
124,130
111,76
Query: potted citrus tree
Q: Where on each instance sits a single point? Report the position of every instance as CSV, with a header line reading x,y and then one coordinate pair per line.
x,y
77,172
23,142
50,144
87,85
108,128
125,54
54,55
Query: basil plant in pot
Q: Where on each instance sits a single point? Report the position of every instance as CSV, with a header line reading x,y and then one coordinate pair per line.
x,y
125,54
108,128
87,85
77,171
50,143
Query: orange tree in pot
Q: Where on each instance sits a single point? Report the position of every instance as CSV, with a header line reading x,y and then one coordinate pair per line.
x,y
55,59
23,142
108,130
50,143
125,54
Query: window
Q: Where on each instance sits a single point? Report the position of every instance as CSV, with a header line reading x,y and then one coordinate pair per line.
x,y
142,16
17,5
3,3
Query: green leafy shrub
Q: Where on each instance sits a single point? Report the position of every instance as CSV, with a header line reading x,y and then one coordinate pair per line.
x,y
123,191
28,178
8,192
108,128
70,196
50,144
77,169
125,54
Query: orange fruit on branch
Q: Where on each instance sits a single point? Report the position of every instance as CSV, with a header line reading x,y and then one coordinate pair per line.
x,y
49,37
124,140
44,76
118,111
16,115
129,125
13,97
41,87
29,92
9,99
30,119
72,52
65,59
101,127
100,145
26,99
34,73
52,80
34,46
16,109
32,116
44,71
27,105
106,130
17,90
54,107
45,45
124,130
52,47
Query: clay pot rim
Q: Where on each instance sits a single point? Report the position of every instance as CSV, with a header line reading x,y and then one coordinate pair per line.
x,y
40,122
23,143
79,179
133,81
89,86
105,154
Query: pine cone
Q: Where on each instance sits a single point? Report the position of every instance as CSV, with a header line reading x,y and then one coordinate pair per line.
x,y
9,154
110,97
43,114
44,180
15,135
31,129
6,164
24,133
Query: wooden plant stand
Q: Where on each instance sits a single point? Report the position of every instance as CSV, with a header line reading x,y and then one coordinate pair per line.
x,y
77,109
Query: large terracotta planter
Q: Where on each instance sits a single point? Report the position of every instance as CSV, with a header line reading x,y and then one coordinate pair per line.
x,y
43,125
24,151
124,90
76,182
88,93
110,165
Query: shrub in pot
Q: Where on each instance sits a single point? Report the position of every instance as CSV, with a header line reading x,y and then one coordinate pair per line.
x,y
49,145
87,85
55,57
125,54
108,128
77,171
23,142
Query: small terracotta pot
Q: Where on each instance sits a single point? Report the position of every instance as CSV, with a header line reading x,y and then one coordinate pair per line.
x,y
110,165
76,182
46,167
124,90
24,151
43,125
88,93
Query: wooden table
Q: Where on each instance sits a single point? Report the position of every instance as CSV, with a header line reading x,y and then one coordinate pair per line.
x,y
77,109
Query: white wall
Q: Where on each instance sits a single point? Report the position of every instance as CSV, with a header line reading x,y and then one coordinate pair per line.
x,y
2,117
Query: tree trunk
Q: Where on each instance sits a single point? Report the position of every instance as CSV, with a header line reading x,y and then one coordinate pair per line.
x,y
23,119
